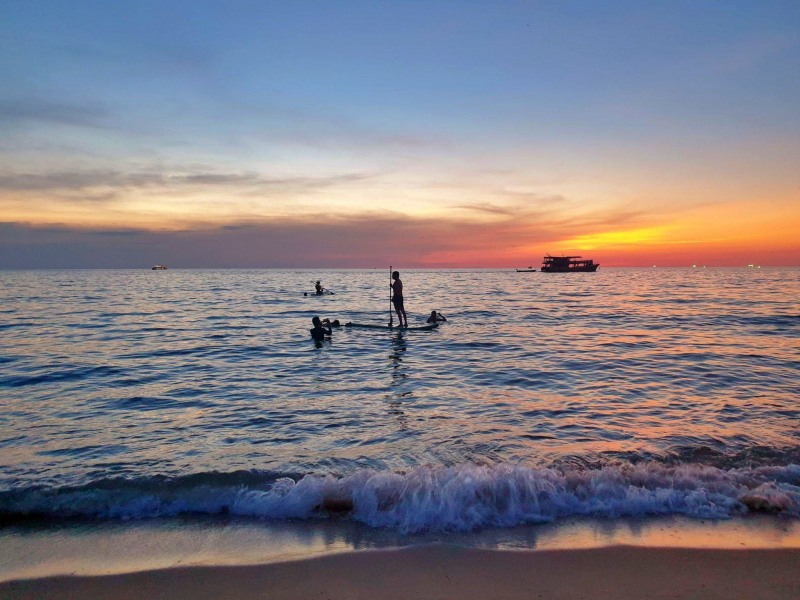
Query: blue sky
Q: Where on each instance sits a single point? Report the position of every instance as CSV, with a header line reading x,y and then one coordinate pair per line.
x,y
575,118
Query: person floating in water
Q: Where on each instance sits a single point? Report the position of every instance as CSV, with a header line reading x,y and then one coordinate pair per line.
x,y
320,329
397,299
436,317
319,289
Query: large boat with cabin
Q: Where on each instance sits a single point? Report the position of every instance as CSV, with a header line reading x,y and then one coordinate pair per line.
x,y
568,264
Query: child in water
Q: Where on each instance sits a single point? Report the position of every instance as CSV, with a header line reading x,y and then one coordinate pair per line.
x,y
436,317
320,329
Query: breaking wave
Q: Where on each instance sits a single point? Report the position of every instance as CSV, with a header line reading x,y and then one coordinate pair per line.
x,y
459,498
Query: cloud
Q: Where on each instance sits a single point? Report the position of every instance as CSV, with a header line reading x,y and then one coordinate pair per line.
x,y
520,202
486,208
320,240
600,220
14,111
84,180
365,240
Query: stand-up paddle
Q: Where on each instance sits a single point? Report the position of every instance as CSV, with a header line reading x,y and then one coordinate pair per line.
x,y
391,317
319,291
400,326
326,291
429,327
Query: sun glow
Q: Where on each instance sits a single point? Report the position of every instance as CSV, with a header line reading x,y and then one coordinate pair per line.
x,y
643,236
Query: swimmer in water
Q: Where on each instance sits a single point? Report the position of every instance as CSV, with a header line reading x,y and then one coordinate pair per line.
x,y
320,329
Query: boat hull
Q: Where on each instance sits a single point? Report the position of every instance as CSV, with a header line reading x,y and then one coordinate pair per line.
x,y
568,264
587,269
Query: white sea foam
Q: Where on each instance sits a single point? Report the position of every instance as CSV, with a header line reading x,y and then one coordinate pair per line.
x,y
463,497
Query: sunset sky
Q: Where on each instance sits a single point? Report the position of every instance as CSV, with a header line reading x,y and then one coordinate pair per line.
x,y
418,134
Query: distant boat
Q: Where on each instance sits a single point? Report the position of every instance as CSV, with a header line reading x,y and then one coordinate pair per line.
x,y
528,270
159,268
568,264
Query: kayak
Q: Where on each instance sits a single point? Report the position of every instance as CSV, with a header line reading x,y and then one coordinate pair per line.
x,y
325,293
376,326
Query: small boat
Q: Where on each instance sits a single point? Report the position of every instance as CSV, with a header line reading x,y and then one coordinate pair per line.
x,y
159,268
568,264
528,270
392,327
322,293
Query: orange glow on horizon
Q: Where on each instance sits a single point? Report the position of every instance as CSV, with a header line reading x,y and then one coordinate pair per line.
x,y
711,233
632,237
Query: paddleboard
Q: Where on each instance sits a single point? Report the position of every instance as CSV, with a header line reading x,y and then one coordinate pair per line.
x,y
376,326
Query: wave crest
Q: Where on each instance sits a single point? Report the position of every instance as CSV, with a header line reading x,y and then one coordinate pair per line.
x,y
462,497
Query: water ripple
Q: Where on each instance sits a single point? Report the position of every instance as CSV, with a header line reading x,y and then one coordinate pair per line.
x,y
213,371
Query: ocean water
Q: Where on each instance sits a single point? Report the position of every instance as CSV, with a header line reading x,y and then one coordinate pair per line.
x,y
163,395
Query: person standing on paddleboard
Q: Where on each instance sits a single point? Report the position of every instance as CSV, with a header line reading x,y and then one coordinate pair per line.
x,y
397,299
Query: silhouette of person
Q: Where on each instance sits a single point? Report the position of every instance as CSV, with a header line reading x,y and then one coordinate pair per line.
x,y
436,317
397,299
320,329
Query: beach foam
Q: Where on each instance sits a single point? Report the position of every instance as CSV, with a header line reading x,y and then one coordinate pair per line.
x,y
459,498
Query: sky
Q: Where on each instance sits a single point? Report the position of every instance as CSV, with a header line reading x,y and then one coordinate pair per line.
x,y
420,134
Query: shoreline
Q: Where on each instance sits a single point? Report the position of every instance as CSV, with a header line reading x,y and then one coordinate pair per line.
x,y
438,571
119,548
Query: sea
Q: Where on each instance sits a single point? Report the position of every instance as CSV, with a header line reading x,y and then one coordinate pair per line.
x,y
142,405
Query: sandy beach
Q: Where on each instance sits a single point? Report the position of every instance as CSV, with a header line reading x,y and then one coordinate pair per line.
x,y
434,572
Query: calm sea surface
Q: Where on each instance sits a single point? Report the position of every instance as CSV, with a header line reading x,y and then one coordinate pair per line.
x,y
151,394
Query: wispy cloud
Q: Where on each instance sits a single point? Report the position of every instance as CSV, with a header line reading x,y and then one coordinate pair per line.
x,y
487,208
318,240
512,203
16,111
84,180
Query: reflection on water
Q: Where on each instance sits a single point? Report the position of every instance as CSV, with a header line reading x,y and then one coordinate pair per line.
x,y
399,391
127,547
136,374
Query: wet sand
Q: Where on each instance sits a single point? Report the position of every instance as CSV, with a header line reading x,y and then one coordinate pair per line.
x,y
439,572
